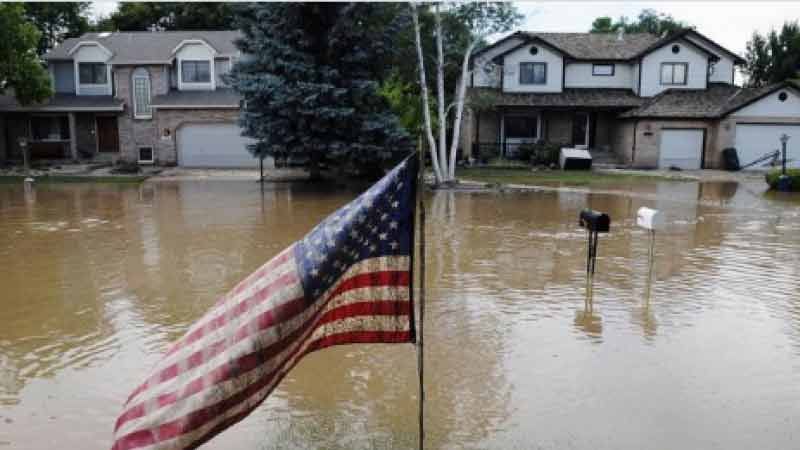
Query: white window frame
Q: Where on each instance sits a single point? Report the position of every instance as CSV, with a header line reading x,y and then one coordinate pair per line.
x,y
672,81
77,60
152,159
141,74
596,66
533,64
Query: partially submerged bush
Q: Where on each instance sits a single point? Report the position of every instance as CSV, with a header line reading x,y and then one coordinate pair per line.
x,y
126,167
773,176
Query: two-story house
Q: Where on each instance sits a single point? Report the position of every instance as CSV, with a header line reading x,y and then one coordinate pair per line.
x,y
146,97
654,101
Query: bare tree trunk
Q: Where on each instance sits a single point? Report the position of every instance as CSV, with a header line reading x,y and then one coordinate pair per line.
x,y
440,95
461,94
424,88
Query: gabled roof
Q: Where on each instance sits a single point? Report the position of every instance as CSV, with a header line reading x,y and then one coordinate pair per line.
x,y
719,100
142,47
608,46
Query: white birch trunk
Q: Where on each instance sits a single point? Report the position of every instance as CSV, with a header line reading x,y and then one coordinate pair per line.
x,y
424,88
440,96
460,97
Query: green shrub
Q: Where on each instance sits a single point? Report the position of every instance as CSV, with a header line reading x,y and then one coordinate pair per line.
x,y
773,176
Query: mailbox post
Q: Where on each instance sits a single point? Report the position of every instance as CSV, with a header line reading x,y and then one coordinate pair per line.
x,y
651,220
23,146
784,140
594,222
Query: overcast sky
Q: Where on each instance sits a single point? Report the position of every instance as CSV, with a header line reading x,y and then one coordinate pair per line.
x,y
729,23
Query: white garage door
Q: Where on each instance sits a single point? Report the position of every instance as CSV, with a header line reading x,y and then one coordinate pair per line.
x,y
681,148
755,140
214,145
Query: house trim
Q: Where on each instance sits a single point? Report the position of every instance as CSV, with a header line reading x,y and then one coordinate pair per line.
x,y
185,42
777,87
90,43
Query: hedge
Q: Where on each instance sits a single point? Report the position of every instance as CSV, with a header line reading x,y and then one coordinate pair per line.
x,y
773,176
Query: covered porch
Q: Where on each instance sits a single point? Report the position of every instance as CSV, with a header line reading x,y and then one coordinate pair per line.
x,y
579,118
65,128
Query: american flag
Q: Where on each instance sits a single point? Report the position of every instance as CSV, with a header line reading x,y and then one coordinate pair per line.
x,y
347,281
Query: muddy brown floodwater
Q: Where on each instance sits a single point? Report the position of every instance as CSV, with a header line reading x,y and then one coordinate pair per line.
x,y
96,281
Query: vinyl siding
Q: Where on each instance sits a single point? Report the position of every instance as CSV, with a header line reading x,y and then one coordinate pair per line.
x,y
579,75
651,68
511,62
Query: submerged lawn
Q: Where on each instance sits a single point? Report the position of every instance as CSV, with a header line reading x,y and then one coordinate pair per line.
x,y
571,177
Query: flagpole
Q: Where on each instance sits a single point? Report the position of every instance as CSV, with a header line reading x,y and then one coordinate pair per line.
x,y
421,298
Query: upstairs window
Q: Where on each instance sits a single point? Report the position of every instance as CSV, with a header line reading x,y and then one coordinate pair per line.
x,y
196,71
603,70
141,94
674,73
92,73
532,73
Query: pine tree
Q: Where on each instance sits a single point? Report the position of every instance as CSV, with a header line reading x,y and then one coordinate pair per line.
x,y
310,80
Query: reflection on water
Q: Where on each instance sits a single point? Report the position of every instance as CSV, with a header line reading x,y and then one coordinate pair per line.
x,y
98,279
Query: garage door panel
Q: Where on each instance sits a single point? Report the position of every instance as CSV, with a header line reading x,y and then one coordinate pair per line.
x,y
755,140
214,145
681,148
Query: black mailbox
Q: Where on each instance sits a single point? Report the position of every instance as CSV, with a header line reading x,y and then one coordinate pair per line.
x,y
595,221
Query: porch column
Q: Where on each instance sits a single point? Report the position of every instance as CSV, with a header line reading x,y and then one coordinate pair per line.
x,y
73,137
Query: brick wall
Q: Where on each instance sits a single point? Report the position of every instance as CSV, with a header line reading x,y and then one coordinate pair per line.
x,y
170,120
135,133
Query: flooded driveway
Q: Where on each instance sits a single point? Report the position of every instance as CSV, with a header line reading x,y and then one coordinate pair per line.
x,y
96,281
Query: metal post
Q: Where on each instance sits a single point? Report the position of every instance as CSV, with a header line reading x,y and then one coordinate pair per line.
x,y
23,145
784,140
421,300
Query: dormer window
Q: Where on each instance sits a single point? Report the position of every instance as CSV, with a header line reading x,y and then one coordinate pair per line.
x,y
196,71
674,73
92,73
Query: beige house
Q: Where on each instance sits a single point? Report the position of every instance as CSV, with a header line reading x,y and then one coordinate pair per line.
x,y
645,100
142,97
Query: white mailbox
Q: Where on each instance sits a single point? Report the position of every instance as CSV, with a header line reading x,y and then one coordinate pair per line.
x,y
649,219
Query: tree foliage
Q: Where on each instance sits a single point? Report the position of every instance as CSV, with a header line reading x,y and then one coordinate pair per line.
x,y
310,81
774,56
143,16
20,68
57,21
648,21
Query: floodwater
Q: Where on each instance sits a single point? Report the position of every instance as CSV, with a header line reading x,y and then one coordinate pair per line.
x,y
97,280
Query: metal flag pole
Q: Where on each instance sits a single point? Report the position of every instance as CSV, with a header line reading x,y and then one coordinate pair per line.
x,y
421,298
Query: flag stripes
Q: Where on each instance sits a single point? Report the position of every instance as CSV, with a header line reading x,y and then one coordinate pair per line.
x,y
352,310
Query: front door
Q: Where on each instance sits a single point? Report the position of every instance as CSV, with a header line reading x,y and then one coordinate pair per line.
x,y
580,130
107,134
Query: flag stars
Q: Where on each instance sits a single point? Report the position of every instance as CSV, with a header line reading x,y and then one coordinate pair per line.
x,y
383,236
393,225
394,245
395,204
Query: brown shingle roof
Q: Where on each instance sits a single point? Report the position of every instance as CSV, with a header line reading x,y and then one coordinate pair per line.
x,y
598,45
570,97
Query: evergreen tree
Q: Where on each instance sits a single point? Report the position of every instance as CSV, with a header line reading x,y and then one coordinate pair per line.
x,y
310,78
773,57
